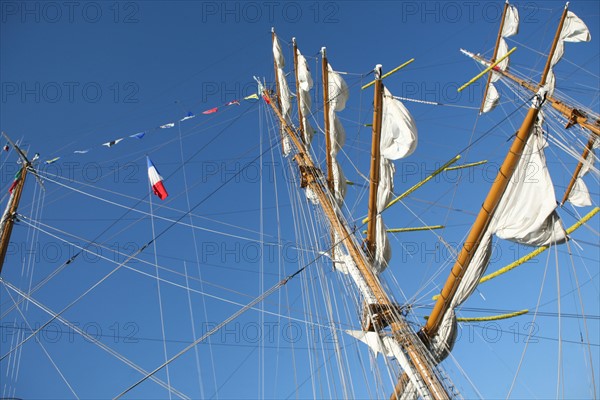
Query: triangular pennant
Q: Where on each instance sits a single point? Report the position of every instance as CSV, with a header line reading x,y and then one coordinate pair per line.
x,y
211,111
189,115
112,142
138,135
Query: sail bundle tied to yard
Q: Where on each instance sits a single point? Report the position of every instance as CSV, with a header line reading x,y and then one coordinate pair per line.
x,y
526,215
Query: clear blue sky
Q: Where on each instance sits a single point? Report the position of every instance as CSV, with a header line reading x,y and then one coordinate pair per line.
x,y
77,75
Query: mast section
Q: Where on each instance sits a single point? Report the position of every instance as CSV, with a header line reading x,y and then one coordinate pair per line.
x,y
584,156
300,125
401,331
375,162
574,115
326,105
489,206
9,216
8,219
493,59
273,36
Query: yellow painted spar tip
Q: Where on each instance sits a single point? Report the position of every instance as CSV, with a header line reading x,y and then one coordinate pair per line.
x,y
398,68
535,252
419,184
490,317
488,69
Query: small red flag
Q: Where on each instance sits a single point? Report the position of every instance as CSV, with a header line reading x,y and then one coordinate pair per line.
x,y
211,111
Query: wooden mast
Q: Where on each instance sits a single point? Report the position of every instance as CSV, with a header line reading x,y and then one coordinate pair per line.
x,y
491,202
375,155
301,124
8,219
401,331
584,156
328,158
277,88
573,115
273,37
493,59
553,48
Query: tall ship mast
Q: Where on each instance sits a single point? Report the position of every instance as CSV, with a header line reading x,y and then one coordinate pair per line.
x,y
318,232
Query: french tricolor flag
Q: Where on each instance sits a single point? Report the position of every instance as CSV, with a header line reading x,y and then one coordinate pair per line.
x,y
156,181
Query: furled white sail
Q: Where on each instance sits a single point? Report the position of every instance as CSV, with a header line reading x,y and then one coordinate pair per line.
x,y
503,65
284,92
398,140
511,22
338,95
338,90
573,30
286,108
344,263
510,27
385,192
373,340
339,182
526,214
445,337
580,195
337,133
492,98
305,84
443,342
398,129
304,77
278,54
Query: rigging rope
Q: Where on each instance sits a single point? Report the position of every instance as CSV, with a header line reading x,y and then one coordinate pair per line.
x,y
215,329
158,291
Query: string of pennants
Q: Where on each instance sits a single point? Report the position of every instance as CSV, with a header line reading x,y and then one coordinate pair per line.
x,y
140,135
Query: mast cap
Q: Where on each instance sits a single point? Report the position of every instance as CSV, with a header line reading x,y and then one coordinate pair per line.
x,y
378,71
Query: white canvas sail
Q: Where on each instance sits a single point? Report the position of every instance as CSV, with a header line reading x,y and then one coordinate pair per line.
x,y
580,195
305,84
338,90
573,30
339,182
492,98
285,95
511,22
444,339
338,95
385,192
510,27
526,214
398,140
398,129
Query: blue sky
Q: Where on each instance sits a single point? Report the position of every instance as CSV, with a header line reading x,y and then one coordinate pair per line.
x,y
75,76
